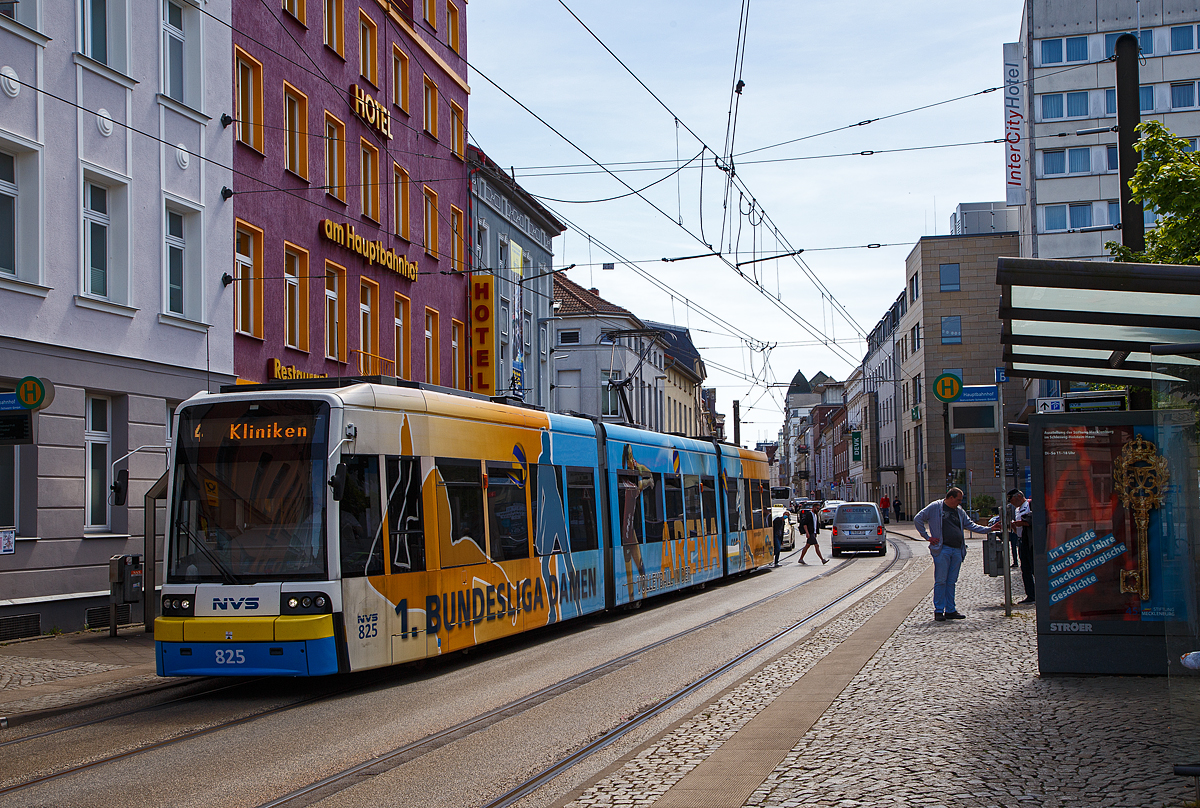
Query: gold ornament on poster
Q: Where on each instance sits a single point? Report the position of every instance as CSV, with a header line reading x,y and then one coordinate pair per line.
x,y
1140,477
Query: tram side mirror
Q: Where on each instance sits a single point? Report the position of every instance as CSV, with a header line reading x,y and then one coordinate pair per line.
x,y
120,488
338,481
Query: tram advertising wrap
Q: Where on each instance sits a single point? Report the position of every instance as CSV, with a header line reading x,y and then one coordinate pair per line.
x,y
326,530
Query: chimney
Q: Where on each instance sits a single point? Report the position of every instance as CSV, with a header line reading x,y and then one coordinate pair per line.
x,y
595,291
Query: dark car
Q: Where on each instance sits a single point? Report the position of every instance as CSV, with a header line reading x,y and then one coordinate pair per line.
x,y
858,526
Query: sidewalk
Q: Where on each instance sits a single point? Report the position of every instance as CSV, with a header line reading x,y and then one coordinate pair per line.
x,y
939,714
51,674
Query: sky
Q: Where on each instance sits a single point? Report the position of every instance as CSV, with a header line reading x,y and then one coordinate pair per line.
x,y
807,68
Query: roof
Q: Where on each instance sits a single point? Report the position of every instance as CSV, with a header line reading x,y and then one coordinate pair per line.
x,y
574,299
820,378
1098,321
800,385
680,347
496,174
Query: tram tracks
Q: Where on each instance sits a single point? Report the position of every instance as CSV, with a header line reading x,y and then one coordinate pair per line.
x,y
398,756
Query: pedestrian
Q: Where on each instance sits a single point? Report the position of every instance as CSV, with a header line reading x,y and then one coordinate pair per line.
x,y
778,524
806,524
885,505
941,523
899,506
1021,521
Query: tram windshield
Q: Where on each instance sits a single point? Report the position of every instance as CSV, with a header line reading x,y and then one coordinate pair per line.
x,y
249,493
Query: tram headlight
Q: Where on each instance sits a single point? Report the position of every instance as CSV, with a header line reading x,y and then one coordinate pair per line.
x,y
176,606
185,604
304,603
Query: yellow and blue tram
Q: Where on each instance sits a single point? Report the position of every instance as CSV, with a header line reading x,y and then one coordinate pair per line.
x,y
323,529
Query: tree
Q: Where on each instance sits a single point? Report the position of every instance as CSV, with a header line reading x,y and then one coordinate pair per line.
x,y
1167,180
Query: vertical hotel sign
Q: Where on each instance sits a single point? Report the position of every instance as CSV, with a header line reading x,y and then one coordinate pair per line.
x,y
483,324
1014,125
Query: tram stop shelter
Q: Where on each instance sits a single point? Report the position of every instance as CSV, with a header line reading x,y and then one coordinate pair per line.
x,y
1116,505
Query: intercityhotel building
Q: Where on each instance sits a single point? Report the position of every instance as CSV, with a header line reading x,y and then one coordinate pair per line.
x,y
351,190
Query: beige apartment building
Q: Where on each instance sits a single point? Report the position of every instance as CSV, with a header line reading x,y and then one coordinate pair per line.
x,y
950,325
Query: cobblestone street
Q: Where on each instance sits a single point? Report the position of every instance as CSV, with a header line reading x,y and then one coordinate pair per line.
x,y
944,714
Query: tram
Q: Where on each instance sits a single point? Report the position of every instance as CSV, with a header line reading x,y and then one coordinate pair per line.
x,y
326,526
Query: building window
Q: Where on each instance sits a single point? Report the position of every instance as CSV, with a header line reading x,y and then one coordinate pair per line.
x,y
609,397
458,132
429,12
8,213
335,33
295,276
1110,102
369,180
1077,105
1182,38
432,349
1052,106
568,337
335,312
456,239
1111,157
1114,212
431,222
430,101
914,289
916,337
97,442
401,344
1052,51
952,330
1146,99
1183,95
948,275
399,78
335,157
249,99
1056,217
296,8
175,262
173,48
1079,161
1077,49
96,224
1145,42
368,38
452,35
400,204
295,122
368,328
1081,216
1054,162
95,30
248,280
458,363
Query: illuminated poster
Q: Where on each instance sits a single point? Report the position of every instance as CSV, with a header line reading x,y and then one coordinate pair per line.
x,y
1109,552
517,384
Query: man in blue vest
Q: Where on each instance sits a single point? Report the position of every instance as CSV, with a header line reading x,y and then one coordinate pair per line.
x,y
942,523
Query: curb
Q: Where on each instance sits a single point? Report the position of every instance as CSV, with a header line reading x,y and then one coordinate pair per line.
x,y
16,719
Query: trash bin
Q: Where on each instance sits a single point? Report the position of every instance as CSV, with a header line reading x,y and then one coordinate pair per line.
x,y
993,555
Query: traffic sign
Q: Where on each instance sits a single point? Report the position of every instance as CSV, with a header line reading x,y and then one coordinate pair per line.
x,y
34,393
947,387
1001,375
1050,405
978,392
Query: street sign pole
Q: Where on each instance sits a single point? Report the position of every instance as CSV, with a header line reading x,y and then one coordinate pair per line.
x,y
1005,544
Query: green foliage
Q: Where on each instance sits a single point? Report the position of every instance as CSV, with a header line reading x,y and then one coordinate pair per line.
x,y
1168,180
983,503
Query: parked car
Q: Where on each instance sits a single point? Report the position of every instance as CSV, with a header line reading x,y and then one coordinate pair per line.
x,y
826,514
858,526
789,531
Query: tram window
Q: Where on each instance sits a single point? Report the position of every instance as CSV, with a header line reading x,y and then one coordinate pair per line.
x,y
406,529
708,498
547,510
652,508
508,513
691,503
360,526
581,509
762,512
733,491
463,481
630,506
673,495
748,502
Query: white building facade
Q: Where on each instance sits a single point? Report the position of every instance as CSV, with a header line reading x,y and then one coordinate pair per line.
x,y
114,236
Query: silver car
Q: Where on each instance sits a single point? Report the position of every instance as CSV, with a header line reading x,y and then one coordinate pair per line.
x,y
858,526
828,511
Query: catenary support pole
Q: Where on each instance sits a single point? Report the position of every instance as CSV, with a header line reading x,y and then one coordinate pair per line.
x,y
1129,115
